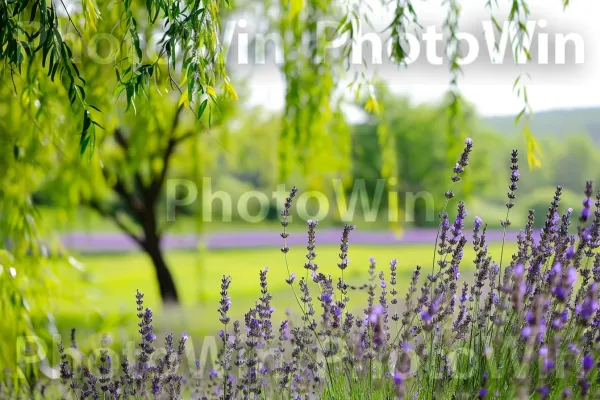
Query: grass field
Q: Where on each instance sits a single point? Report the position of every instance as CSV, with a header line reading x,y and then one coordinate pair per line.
x,y
102,297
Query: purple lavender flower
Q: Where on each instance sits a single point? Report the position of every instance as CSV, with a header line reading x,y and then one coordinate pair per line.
x,y
587,202
378,318
462,163
284,330
573,348
544,392
585,214
398,378
394,292
311,255
445,224
457,227
514,178
146,331
526,331
291,279
548,364
65,371
285,213
326,297
483,391
519,269
588,308
585,386
156,386
151,337
225,301
587,362
377,311
426,316
343,264
570,253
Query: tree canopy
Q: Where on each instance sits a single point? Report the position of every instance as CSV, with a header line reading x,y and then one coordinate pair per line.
x,y
153,45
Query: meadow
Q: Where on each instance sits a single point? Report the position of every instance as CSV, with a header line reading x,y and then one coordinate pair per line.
x,y
98,303
517,330
101,296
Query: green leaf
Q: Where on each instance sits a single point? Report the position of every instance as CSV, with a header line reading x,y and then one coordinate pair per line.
x,y
533,148
98,125
94,107
136,43
87,121
85,140
516,82
202,108
519,116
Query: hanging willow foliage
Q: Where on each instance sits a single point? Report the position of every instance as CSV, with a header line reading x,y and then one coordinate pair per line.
x,y
34,31
189,46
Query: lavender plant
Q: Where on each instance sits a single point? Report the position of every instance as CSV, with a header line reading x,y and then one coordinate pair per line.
x,y
530,330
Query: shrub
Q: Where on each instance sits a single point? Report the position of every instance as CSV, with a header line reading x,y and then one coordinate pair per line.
x,y
523,327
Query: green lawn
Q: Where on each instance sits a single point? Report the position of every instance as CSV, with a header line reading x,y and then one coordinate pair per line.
x,y
103,296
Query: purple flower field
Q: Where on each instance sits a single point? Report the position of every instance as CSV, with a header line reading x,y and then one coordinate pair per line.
x,y
113,242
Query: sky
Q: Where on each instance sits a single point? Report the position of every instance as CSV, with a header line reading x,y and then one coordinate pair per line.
x,y
489,88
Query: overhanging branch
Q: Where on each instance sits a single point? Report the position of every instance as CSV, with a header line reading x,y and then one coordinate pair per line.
x,y
159,179
94,204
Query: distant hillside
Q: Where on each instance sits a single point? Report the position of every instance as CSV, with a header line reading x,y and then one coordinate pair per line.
x,y
554,123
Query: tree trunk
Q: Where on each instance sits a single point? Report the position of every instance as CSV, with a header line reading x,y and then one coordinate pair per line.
x,y
166,284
